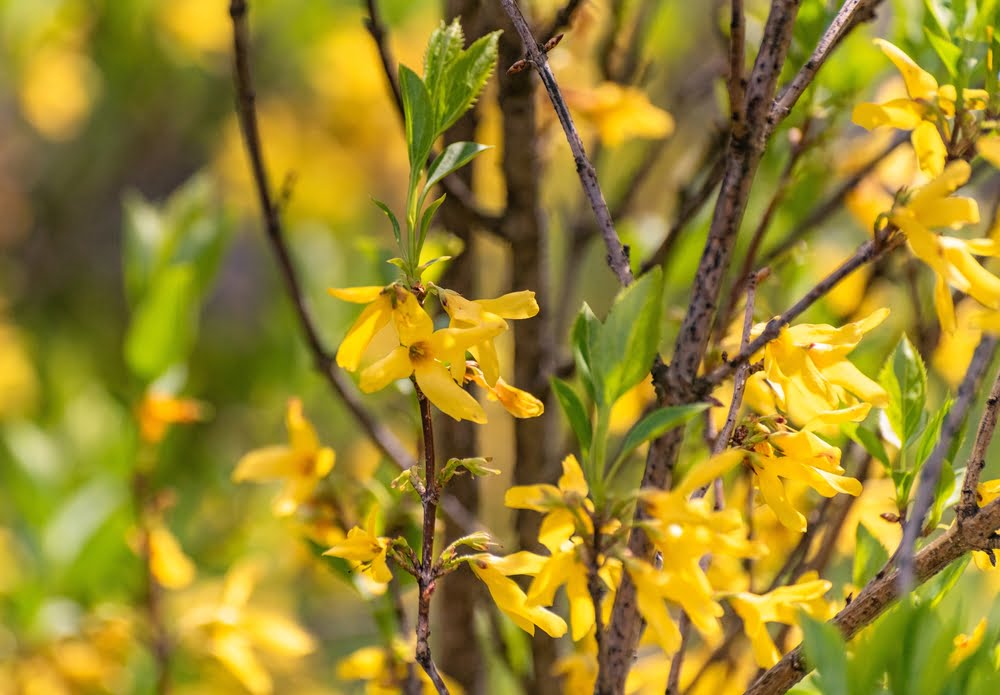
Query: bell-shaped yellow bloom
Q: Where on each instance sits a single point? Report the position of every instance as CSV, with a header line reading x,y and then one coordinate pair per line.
x,y
922,112
232,631
369,550
515,401
779,606
801,456
495,573
158,411
953,260
619,113
435,358
566,506
301,464
966,645
381,302
466,313
807,374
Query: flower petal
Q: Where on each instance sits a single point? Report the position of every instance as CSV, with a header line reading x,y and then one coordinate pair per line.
x,y
374,317
450,398
395,365
267,463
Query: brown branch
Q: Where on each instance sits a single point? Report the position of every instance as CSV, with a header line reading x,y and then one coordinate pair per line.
x,y
426,578
977,533
411,684
930,472
144,503
736,81
617,255
851,13
977,459
456,189
868,252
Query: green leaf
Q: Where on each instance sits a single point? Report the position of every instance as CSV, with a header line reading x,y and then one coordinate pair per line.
x,y
583,337
427,264
392,218
904,377
143,239
444,46
628,340
869,556
464,79
942,495
425,221
938,17
903,481
163,327
931,434
655,424
937,588
825,651
575,413
419,115
948,52
871,442
454,157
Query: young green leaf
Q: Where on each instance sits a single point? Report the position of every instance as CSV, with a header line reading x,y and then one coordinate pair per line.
x,y
464,79
948,52
163,327
930,436
825,651
583,337
425,222
575,413
444,47
942,495
904,377
655,424
871,442
419,116
392,218
869,556
454,157
629,339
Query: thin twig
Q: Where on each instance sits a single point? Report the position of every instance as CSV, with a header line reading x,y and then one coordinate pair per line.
x,y
982,358
159,637
869,251
426,578
562,20
736,81
411,684
851,13
977,459
617,254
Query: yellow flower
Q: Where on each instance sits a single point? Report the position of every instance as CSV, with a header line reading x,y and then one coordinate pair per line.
x,y
807,374
652,587
471,314
923,112
620,113
367,549
167,561
799,456
384,669
953,260
566,507
515,401
966,645
494,572
986,493
301,464
381,302
231,630
779,606
159,410
435,358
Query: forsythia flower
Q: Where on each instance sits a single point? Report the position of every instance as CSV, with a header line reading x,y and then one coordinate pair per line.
x,y
233,629
159,410
381,301
384,670
517,402
922,112
966,645
952,260
367,549
566,507
620,113
495,573
167,561
799,456
301,464
779,606
466,313
435,358
986,493
807,374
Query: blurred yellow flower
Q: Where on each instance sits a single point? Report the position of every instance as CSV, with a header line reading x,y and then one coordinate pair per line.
x,y
495,573
232,631
302,463
807,374
172,568
384,670
59,87
466,313
158,411
18,382
200,27
966,645
779,606
619,113
369,550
